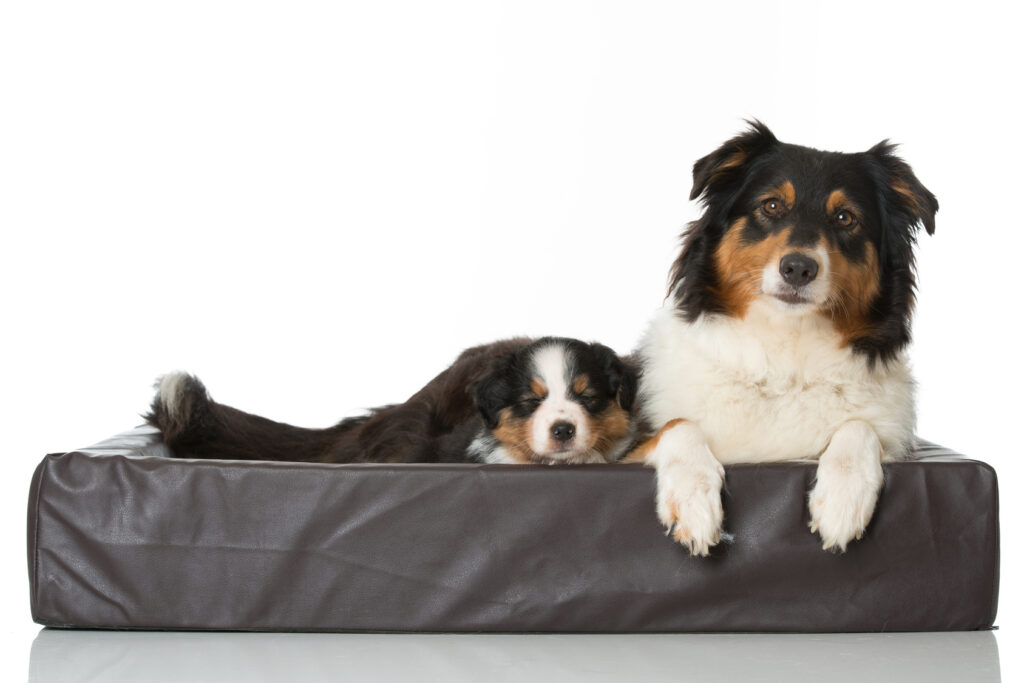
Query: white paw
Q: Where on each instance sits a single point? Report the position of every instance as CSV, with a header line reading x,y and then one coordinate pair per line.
x,y
844,496
689,500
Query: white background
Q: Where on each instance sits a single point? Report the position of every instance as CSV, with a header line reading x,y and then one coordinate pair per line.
x,y
315,206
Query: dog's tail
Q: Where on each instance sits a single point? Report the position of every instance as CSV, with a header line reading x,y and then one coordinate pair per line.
x,y
195,426
180,408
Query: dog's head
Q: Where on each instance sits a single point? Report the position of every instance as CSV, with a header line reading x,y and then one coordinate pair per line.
x,y
558,400
808,232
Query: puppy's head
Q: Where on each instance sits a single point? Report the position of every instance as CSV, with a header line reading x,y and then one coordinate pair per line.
x,y
808,233
558,401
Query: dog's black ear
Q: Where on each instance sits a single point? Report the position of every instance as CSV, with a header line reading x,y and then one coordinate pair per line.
x,y
622,376
493,391
906,197
627,386
719,169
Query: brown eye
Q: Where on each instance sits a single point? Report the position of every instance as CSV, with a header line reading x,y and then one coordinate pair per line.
x,y
771,207
845,219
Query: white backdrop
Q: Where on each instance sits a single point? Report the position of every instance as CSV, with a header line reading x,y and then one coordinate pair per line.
x,y
315,206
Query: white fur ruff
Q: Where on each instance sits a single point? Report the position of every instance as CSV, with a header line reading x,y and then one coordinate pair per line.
x,y
775,385
772,386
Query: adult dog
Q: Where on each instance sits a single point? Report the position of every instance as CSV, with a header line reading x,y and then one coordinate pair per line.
x,y
785,331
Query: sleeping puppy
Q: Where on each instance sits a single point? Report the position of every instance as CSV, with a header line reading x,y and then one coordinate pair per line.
x,y
550,401
785,332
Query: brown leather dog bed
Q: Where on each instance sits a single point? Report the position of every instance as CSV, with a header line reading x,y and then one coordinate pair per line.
x,y
123,536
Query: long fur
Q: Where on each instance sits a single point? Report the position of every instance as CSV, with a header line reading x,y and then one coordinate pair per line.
x,y
751,362
479,409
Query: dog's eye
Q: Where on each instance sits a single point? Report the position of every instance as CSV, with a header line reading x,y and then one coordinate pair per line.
x,y
772,207
591,400
846,219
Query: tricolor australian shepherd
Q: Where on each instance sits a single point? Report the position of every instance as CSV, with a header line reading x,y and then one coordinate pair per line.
x,y
784,334
548,401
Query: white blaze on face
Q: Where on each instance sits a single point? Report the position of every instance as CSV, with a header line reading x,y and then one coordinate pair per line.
x,y
552,367
816,291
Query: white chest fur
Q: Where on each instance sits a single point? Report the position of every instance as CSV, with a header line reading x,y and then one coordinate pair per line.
x,y
772,386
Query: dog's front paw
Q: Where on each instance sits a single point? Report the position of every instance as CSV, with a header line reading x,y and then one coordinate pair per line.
x,y
844,496
690,495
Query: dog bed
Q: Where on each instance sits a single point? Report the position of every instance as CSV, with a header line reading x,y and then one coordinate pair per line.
x,y
123,536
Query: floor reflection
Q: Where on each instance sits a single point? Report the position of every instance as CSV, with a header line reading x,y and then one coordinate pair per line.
x,y
67,656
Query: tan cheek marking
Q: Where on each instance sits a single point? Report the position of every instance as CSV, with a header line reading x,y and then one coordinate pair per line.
x,y
739,266
785,191
514,434
580,384
854,287
607,428
640,453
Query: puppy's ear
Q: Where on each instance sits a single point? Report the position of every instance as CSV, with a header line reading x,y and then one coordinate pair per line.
x,y
722,167
910,201
491,392
622,377
627,386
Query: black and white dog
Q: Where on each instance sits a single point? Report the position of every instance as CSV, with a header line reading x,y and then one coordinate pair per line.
x,y
550,401
784,334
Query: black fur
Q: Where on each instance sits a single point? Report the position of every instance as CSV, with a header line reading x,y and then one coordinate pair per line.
x,y
509,379
437,424
728,181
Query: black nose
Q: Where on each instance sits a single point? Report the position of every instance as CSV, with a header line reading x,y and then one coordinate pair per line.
x,y
563,431
797,269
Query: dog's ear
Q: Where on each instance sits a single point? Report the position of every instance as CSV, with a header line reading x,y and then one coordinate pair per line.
x,y
622,377
722,167
493,391
907,199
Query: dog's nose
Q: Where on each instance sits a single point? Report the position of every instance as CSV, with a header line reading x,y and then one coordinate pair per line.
x,y
798,269
563,431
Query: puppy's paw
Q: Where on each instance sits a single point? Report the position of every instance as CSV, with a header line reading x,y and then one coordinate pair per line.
x,y
844,496
689,500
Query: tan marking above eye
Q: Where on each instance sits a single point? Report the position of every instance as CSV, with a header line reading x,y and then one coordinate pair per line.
x,y
580,384
538,388
779,200
842,210
837,200
787,192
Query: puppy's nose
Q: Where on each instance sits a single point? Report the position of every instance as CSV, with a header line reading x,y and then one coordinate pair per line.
x,y
798,269
563,431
